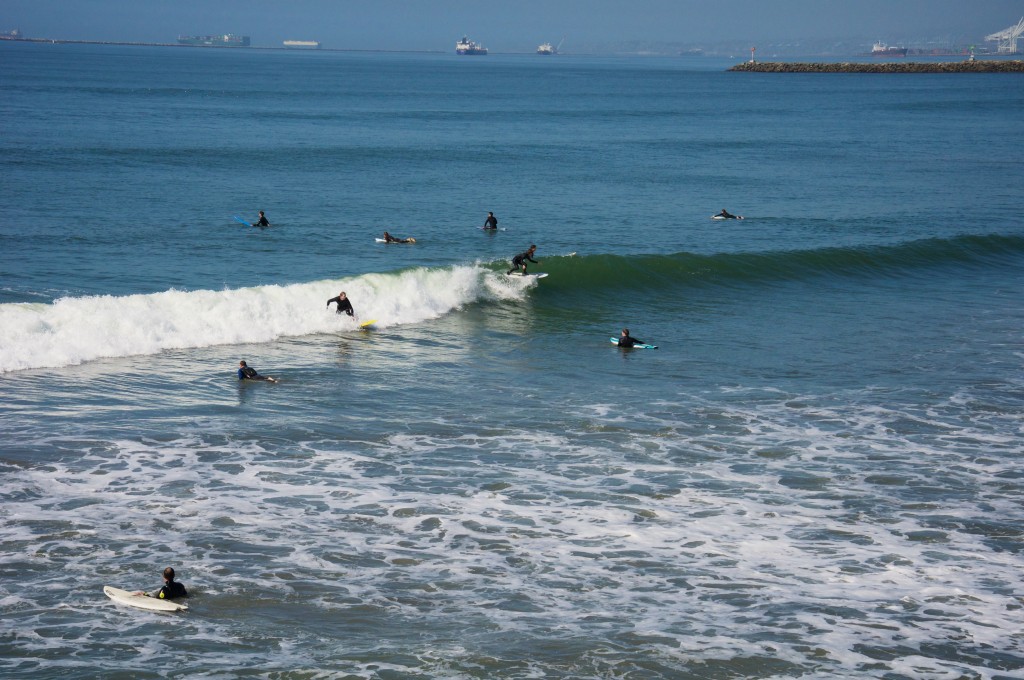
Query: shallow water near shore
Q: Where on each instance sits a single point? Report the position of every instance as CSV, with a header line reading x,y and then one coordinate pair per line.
x,y
817,474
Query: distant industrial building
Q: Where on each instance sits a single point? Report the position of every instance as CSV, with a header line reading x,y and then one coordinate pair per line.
x,y
1007,38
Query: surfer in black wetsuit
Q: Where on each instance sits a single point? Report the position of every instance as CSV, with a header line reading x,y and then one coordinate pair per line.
x,y
519,261
171,588
246,372
491,222
262,221
344,305
627,340
726,215
388,238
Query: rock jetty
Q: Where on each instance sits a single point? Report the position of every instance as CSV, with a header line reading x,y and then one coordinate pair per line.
x,y
988,66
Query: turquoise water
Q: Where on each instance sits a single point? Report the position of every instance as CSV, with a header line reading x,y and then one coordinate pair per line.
x,y
816,474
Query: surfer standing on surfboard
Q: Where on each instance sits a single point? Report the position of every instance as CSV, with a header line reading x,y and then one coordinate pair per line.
x,y
171,588
491,222
519,261
344,305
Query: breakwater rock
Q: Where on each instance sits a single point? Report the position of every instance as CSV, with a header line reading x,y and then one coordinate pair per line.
x,y
990,66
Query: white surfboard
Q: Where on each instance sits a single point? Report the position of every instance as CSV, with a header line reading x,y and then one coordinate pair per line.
x,y
141,601
528,276
719,217
408,240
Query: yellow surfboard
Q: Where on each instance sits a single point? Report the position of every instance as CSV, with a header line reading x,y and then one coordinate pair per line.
x,y
367,324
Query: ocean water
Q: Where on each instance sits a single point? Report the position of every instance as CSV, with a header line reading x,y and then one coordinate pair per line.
x,y
817,474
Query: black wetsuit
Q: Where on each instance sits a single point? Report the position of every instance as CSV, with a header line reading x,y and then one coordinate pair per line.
x,y
262,222
629,341
726,215
171,590
491,223
249,373
344,305
520,261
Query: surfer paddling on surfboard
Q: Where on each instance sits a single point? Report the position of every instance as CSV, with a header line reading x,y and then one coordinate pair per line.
x,y
344,304
388,238
171,588
519,261
246,372
726,215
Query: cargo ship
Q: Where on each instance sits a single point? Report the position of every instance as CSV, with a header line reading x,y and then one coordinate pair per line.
x,y
880,49
467,46
302,44
548,48
226,40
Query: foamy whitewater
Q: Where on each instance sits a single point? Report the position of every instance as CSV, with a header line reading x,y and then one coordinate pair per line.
x,y
70,331
817,474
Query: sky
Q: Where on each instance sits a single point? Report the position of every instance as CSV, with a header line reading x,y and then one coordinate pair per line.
x,y
513,25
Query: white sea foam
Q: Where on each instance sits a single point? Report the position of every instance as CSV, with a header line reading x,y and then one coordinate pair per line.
x,y
71,331
833,538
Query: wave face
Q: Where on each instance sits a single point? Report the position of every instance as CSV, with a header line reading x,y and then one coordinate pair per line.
x,y
760,268
74,330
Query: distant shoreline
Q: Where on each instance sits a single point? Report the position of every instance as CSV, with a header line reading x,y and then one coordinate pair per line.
x,y
57,41
979,66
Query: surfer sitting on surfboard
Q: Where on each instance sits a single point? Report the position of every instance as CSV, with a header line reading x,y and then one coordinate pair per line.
x,y
627,340
344,305
246,372
171,588
519,261
491,222
262,221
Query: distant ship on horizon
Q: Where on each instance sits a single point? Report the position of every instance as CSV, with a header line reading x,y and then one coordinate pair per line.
x,y
880,49
467,46
225,40
548,48
302,44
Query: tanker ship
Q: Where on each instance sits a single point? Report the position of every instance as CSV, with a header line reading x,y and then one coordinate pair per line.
x,y
467,46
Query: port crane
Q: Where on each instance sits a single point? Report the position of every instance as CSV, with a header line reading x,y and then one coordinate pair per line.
x,y
1007,38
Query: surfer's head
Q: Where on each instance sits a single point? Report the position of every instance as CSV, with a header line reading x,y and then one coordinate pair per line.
x,y
242,364
532,248
169,571
342,295
625,332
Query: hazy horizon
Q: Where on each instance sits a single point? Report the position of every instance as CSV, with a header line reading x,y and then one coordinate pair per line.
x,y
513,26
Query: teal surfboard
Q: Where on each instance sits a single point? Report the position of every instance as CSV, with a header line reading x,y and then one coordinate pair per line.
x,y
615,341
